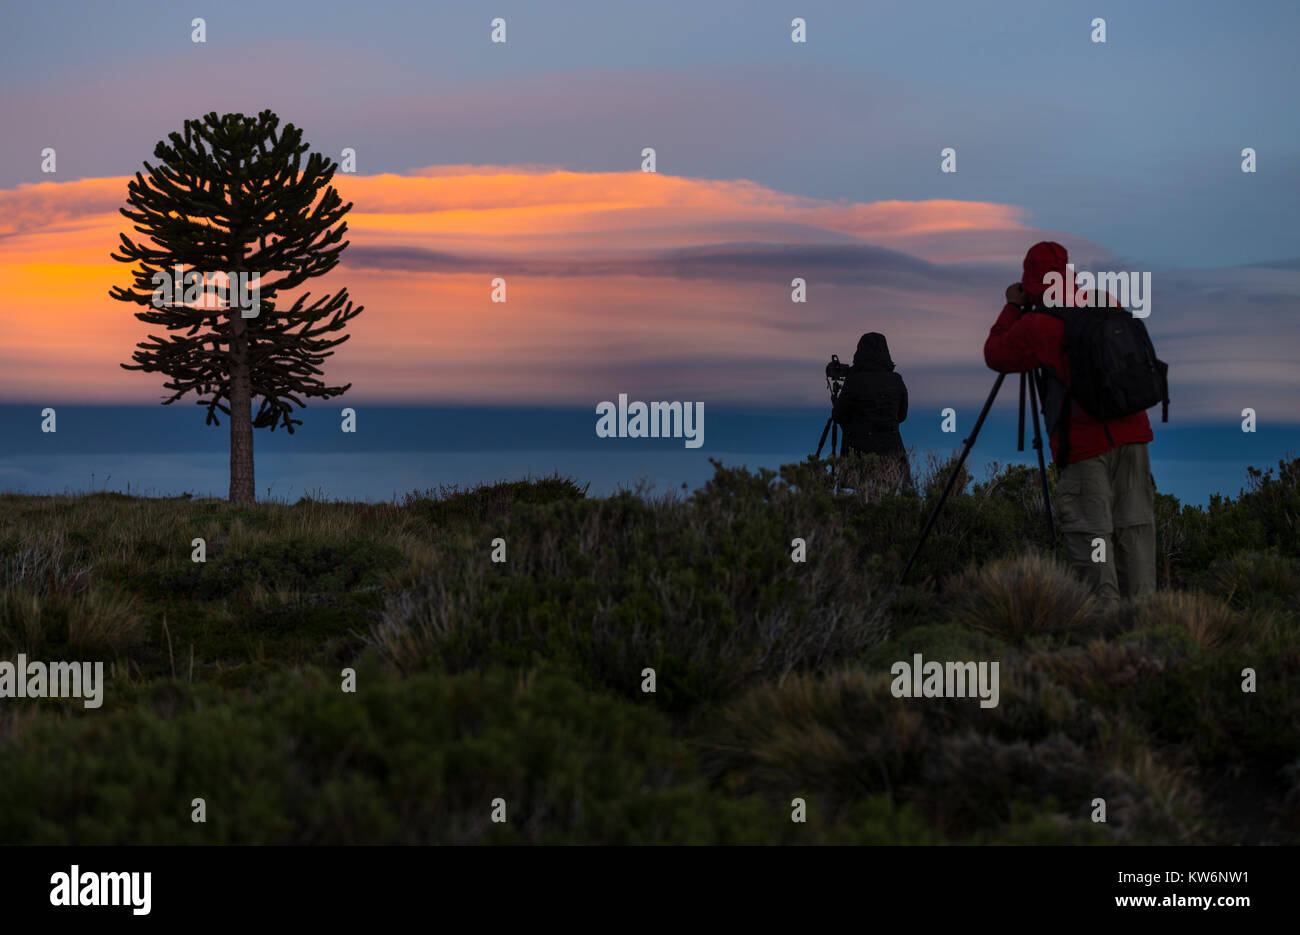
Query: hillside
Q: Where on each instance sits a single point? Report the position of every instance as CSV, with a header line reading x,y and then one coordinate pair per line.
x,y
523,680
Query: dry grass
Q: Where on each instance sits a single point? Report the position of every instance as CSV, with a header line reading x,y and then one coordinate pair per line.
x,y
840,735
843,735
416,622
1247,577
42,564
1098,669
20,621
670,612
872,477
103,623
1021,597
100,621
52,545
1207,620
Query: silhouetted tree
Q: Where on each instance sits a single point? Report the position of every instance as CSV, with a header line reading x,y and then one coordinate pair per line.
x,y
231,194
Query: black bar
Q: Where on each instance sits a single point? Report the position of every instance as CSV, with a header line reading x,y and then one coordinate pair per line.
x,y
331,887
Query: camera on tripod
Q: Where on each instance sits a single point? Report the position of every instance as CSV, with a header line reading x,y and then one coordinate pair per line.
x,y
836,372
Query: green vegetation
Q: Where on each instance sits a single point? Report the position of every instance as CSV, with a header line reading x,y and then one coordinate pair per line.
x,y
523,680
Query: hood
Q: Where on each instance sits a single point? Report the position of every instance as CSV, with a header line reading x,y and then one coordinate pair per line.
x,y
1044,257
872,353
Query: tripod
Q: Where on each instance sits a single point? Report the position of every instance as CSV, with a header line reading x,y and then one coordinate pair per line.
x,y
832,428
834,385
835,373
1026,380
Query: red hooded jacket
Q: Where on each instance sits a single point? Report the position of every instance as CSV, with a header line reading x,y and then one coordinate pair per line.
x,y
1019,342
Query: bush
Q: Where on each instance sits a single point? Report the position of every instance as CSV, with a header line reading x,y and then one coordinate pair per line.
x,y
972,781
1199,703
43,566
837,737
449,503
1210,623
414,761
1019,598
523,679
844,736
96,623
1274,504
705,593
317,567
1261,580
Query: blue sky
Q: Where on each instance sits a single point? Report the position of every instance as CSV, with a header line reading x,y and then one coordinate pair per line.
x,y
1133,144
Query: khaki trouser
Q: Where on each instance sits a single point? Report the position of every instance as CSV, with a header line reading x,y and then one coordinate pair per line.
x,y
1111,497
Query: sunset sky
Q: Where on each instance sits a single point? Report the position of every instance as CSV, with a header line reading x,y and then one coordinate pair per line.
x,y
775,160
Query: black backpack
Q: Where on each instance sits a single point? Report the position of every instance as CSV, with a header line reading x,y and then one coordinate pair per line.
x,y
1114,371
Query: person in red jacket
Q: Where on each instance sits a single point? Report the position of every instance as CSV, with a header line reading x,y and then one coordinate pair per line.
x,y
1106,494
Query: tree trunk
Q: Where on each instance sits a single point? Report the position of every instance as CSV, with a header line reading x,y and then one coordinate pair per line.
x,y
242,489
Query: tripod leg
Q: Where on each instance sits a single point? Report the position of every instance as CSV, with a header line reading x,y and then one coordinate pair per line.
x,y
1042,466
837,455
1020,433
821,443
952,478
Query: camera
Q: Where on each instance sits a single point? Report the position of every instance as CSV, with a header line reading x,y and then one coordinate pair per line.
x,y
836,371
835,374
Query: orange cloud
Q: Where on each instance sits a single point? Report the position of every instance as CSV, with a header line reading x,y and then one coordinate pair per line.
x,y
616,282
496,207
662,287
435,334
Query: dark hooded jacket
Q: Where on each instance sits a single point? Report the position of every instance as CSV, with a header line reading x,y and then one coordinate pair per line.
x,y
873,401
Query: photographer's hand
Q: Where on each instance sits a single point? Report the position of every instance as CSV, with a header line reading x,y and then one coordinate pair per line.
x,y
1016,295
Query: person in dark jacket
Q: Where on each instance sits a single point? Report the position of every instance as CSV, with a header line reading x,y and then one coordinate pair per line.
x,y
872,403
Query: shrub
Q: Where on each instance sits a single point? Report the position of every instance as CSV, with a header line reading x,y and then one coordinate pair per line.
x,y
844,737
298,564
704,593
21,626
412,761
1019,598
484,502
838,737
97,622
1199,704
525,677
1274,503
43,568
1257,580
1210,623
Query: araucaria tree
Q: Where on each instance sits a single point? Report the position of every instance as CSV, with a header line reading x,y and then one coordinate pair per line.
x,y
235,219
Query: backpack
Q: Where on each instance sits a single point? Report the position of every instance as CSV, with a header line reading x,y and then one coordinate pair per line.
x,y
1114,371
